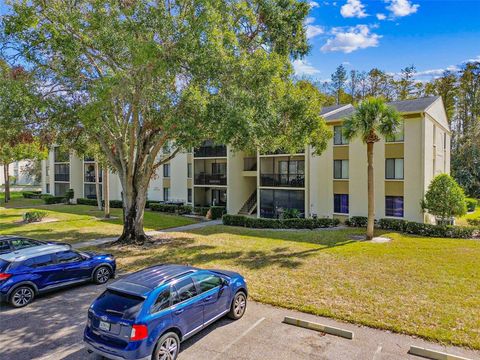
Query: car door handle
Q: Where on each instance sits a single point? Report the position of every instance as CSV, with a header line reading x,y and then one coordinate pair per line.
x,y
208,298
178,312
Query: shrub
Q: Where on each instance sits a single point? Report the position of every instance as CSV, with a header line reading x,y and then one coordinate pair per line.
x,y
201,210
69,195
50,199
150,202
291,214
392,224
260,223
32,194
83,201
116,204
357,221
444,231
215,212
474,222
471,204
170,208
34,216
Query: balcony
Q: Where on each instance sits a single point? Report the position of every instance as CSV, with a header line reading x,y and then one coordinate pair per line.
x,y
210,179
89,178
211,151
62,177
283,180
250,164
283,152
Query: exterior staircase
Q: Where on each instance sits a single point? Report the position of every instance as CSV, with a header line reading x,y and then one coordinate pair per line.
x,y
250,205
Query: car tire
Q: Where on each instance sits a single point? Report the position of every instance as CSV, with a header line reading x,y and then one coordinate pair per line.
x,y
167,347
102,275
22,296
239,305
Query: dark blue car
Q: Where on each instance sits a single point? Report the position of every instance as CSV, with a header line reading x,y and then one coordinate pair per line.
x,y
28,272
147,314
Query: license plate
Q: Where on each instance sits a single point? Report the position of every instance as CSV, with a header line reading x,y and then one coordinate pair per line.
x,y
105,326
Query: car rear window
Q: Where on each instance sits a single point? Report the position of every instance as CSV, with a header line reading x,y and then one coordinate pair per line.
x,y
119,304
3,265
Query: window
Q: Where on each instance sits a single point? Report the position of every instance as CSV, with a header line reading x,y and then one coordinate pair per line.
x,y
89,173
394,206
119,303
47,190
340,169
39,261
189,195
207,282
394,168
4,246
162,302
444,141
399,136
189,170
273,202
62,172
166,194
338,137
24,243
68,257
219,168
166,170
90,191
61,188
340,203
185,290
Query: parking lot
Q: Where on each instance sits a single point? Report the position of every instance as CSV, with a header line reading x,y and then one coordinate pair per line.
x,y
51,328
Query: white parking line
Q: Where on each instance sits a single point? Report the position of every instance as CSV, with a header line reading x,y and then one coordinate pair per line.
x,y
239,338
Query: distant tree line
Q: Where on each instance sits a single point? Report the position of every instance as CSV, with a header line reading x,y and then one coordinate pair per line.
x,y
460,90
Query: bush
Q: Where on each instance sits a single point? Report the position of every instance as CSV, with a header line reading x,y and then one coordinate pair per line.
x,y
116,204
357,221
215,212
34,216
291,214
170,208
150,202
32,194
50,199
471,204
429,230
392,224
474,222
201,210
260,223
83,201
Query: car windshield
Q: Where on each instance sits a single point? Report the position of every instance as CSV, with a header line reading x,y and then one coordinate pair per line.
x,y
3,265
119,304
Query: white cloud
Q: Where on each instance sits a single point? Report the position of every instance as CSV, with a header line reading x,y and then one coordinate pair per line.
x,y
381,16
303,67
400,8
313,30
353,8
313,4
351,39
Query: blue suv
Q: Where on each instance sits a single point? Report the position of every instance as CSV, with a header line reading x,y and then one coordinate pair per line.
x,y
28,272
146,315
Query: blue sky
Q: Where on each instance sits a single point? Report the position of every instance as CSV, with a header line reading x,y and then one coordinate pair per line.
x,y
391,34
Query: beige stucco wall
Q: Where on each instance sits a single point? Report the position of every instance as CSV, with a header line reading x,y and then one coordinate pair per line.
x,y
321,184
414,170
239,187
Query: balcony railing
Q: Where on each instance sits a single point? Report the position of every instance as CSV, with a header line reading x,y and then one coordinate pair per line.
x,y
286,180
211,179
91,178
211,151
284,152
250,164
62,177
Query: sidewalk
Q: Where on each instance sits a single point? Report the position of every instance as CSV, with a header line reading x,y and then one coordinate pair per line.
x,y
102,241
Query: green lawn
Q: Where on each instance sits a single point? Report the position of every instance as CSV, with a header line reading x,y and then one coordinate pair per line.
x,y
420,286
472,215
74,223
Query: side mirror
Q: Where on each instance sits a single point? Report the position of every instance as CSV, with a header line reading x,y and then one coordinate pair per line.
x,y
225,282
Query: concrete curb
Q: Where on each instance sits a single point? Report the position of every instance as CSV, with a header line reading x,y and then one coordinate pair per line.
x,y
319,327
433,354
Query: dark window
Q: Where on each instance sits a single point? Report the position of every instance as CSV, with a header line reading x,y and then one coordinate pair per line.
x,y
162,302
4,245
274,202
185,290
62,172
338,137
68,257
340,203
166,170
219,168
340,169
394,168
24,243
120,304
166,194
189,195
207,282
61,188
90,191
39,261
47,190
189,170
394,206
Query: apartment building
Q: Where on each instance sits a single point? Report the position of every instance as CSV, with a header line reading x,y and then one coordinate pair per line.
x,y
333,184
18,173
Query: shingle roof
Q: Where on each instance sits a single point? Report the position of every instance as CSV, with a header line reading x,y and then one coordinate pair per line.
x,y
331,108
403,106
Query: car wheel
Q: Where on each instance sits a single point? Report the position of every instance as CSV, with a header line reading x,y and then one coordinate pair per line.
x,y
239,305
101,275
167,347
22,296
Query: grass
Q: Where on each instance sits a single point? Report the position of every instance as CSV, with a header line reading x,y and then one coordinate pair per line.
x,y
473,215
74,223
419,286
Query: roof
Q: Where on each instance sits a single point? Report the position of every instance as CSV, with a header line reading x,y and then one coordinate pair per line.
x,y
27,253
329,109
402,106
143,281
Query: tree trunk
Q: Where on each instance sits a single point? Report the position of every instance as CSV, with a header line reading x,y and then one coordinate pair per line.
x,y
97,187
371,192
6,174
106,193
134,199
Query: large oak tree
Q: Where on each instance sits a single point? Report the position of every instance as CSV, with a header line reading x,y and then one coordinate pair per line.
x,y
137,75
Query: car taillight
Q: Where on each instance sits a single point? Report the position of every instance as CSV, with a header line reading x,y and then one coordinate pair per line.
x,y
139,332
4,276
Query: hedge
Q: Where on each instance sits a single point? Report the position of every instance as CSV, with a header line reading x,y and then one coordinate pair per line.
x,y
32,194
474,222
83,201
150,202
34,216
170,208
260,223
357,221
430,230
50,199
216,212
471,204
201,210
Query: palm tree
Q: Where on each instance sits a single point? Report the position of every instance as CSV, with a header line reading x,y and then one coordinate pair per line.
x,y
372,118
